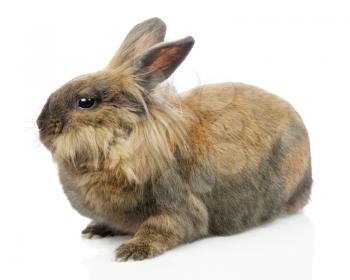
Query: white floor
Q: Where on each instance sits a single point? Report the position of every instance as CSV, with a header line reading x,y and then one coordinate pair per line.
x,y
281,250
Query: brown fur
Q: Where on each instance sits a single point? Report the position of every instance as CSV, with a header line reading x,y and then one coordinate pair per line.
x,y
171,168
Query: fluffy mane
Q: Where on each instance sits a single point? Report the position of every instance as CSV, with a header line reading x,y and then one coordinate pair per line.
x,y
155,141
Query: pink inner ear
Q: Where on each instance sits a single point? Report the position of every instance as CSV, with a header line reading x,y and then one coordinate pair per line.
x,y
165,58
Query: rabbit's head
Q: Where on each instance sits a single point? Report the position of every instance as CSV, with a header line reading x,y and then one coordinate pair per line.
x,y
98,118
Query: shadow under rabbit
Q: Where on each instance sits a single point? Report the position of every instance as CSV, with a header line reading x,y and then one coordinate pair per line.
x,y
282,249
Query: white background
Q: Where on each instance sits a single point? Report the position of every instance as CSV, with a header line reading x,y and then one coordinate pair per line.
x,y
299,50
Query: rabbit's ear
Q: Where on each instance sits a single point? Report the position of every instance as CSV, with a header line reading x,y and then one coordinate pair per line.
x,y
143,36
159,62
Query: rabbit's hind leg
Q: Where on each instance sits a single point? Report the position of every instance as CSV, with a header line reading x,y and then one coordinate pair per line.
x,y
301,195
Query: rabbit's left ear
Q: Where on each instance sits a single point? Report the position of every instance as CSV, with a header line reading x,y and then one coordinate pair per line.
x,y
143,36
159,62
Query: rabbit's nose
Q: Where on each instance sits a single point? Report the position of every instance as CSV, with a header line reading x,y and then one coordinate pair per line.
x,y
40,124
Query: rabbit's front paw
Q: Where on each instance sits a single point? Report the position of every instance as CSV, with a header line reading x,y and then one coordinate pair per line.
x,y
97,231
137,249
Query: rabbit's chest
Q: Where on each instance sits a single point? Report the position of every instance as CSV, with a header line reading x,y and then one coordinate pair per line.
x,y
98,197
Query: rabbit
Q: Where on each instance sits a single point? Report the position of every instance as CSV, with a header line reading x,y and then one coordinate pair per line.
x,y
139,159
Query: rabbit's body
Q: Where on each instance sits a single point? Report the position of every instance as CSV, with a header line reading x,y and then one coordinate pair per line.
x,y
254,155
249,154
172,168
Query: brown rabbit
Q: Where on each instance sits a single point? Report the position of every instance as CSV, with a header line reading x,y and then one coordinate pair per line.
x,y
138,159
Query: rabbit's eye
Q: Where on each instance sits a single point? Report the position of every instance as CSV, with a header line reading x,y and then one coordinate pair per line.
x,y
86,102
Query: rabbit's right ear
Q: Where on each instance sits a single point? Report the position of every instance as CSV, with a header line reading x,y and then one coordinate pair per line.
x,y
143,36
159,62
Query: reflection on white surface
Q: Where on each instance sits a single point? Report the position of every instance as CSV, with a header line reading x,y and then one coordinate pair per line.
x,y
279,250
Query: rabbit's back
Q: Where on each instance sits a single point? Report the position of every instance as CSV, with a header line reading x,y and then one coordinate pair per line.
x,y
252,155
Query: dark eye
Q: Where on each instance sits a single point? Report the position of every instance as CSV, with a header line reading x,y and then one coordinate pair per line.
x,y
85,102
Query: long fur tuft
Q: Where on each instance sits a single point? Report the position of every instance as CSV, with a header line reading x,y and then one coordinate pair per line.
x,y
150,149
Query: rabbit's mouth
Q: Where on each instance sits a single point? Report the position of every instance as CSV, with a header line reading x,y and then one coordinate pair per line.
x,y
49,131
